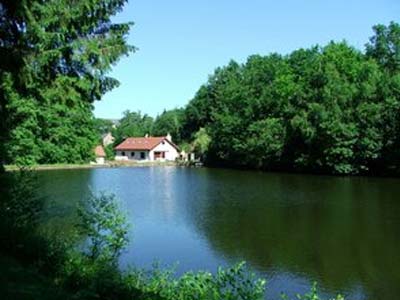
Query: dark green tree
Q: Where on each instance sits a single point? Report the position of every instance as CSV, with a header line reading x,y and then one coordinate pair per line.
x,y
170,121
58,54
133,124
384,48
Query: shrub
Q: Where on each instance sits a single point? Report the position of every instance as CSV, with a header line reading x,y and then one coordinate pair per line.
x,y
232,283
105,227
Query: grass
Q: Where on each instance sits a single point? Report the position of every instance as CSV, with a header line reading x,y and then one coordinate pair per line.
x,y
53,167
90,166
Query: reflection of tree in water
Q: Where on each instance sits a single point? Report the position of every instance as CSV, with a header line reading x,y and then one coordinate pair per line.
x,y
63,190
342,232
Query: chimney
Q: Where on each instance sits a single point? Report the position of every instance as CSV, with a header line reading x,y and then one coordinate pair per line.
x,y
146,135
168,137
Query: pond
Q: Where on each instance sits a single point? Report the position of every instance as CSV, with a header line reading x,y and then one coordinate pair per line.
x,y
293,230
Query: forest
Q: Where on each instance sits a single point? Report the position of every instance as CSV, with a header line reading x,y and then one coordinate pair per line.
x,y
330,109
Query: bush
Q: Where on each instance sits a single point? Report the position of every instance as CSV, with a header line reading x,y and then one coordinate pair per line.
x,y
311,295
105,227
232,283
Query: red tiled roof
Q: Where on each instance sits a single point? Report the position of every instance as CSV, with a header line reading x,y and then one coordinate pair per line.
x,y
99,151
142,143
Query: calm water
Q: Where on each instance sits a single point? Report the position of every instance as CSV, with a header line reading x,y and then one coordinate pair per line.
x,y
291,229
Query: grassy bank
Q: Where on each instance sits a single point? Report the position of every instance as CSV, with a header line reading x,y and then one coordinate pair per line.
x,y
54,167
110,164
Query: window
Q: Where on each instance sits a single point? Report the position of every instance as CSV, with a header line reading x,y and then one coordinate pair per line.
x,y
123,153
162,142
142,155
132,154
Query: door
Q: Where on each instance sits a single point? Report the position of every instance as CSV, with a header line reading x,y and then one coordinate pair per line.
x,y
159,155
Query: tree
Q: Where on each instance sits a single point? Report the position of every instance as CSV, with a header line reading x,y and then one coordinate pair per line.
x,y
384,46
265,143
103,126
170,121
329,109
102,221
58,55
201,143
133,124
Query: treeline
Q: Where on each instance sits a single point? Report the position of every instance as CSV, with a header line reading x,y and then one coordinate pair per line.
x,y
55,56
332,109
136,124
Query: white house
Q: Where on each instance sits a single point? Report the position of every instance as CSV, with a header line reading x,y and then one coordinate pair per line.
x,y
147,149
108,139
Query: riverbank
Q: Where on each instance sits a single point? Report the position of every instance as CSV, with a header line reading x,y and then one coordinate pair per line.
x,y
111,164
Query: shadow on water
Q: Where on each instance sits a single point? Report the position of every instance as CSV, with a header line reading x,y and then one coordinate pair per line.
x,y
293,229
342,232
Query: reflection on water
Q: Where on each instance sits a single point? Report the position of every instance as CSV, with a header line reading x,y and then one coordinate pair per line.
x,y
292,229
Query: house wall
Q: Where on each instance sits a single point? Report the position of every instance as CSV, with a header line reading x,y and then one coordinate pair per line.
x,y
108,139
100,160
128,155
170,152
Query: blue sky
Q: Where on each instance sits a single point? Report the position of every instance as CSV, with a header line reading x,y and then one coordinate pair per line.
x,y
181,42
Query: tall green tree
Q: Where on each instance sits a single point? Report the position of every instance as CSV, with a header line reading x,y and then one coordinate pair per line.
x,y
58,55
170,121
133,124
384,48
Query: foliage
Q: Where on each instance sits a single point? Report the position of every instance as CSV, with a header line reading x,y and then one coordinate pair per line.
x,y
384,46
133,124
109,150
311,295
169,122
232,283
105,226
21,214
103,126
91,268
55,59
201,142
185,146
20,207
329,109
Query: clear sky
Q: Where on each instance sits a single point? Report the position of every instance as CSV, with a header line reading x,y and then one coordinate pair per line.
x,y
181,42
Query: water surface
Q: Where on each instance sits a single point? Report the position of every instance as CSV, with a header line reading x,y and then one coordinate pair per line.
x,y
291,229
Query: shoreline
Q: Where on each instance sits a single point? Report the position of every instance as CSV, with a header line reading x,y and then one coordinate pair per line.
x,y
11,168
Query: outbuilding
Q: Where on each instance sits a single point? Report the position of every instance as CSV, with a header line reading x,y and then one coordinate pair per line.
x,y
100,155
